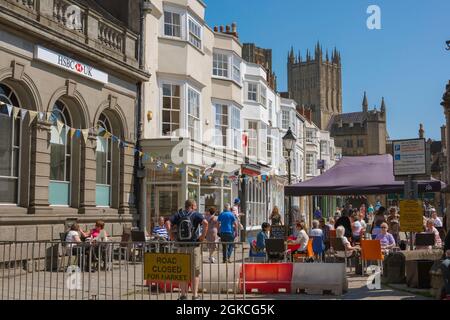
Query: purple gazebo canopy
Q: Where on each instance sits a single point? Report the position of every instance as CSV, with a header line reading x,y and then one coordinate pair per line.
x,y
358,175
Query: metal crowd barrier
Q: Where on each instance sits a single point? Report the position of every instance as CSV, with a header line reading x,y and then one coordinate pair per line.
x,y
55,270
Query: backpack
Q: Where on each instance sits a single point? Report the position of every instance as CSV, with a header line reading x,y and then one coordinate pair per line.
x,y
185,227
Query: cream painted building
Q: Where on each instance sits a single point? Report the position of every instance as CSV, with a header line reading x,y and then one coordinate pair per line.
x,y
192,117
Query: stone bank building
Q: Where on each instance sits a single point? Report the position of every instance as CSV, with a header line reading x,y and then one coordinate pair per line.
x,y
74,61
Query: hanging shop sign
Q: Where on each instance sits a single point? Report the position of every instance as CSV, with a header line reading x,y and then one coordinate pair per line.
x,y
72,65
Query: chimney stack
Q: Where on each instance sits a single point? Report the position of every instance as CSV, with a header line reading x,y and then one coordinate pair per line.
x,y
421,132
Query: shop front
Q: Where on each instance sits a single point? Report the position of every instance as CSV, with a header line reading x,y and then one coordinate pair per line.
x,y
169,185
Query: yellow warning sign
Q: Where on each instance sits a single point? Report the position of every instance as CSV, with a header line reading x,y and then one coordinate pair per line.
x,y
411,216
167,267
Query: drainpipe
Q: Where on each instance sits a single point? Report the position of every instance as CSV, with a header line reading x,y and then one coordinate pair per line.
x,y
139,185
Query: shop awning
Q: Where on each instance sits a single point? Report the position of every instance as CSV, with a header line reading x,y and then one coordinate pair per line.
x,y
358,175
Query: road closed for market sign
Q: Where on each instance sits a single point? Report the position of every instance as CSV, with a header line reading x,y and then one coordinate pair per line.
x,y
411,216
168,267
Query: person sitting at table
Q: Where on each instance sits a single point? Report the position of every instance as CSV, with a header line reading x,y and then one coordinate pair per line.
x,y
73,236
316,231
302,238
430,228
99,227
349,249
386,239
357,227
261,237
160,230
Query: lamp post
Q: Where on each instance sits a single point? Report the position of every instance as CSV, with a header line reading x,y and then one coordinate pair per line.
x,y
448,44
289,141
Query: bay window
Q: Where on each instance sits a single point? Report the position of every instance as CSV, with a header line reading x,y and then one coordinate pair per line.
x,y
285,119
236,69
310,164
170,109
252,92
236,129
220,65
252,129
263,96
195,33
269,149
172,24
194,114
310,136
221,125
227,65
263,139
271,112
227,117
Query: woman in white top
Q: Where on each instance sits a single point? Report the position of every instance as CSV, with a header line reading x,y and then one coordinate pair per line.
x,y
73,236
302,238
349,249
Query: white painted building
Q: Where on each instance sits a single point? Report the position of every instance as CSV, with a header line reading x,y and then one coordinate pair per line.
x,y
192,117
205,107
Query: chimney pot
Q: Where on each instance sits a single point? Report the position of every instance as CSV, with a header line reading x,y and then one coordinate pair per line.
x,y
216,29
228,28
221,28
234,27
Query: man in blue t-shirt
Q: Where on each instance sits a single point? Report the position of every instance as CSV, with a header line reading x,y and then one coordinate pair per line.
x,y
228,228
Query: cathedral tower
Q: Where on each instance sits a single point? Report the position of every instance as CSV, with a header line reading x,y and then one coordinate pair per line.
x,y
316,82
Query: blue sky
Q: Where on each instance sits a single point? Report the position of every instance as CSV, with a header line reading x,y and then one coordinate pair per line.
x,y
405,61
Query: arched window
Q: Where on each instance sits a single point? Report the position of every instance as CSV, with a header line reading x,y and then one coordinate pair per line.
x,y
104,165
9,147
60,156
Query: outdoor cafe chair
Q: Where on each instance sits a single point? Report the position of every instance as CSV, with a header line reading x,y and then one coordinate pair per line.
x,y
297,257
276,249
337,246
371,251
253,254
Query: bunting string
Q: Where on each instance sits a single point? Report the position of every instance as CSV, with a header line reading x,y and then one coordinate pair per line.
x,y
78,133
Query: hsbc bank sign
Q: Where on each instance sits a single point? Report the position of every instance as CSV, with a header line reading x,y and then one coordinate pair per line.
x,y
70,64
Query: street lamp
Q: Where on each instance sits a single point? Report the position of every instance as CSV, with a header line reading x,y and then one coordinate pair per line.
x,y
448,44
289,141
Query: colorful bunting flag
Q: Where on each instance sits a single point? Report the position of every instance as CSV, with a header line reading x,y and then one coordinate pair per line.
x,y
72,132
9,107
33,115
59,126
23,113
77,133
16,113
85,133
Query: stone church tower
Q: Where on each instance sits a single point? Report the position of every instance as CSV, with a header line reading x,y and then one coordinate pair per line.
x,y
316,83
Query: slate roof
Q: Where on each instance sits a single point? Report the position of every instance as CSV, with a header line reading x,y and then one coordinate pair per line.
x,y
352,117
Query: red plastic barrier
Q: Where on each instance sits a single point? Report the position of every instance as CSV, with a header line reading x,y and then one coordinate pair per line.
x,y
267,277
